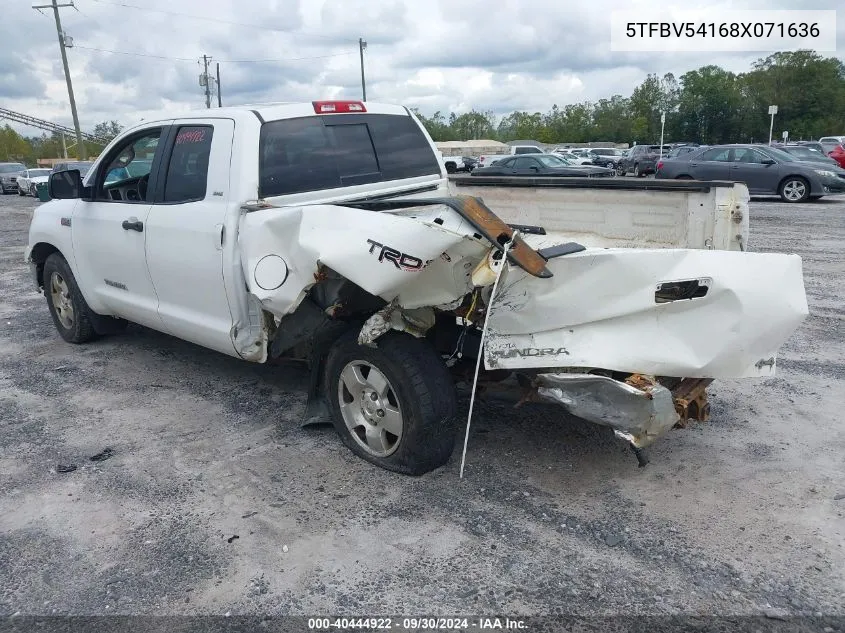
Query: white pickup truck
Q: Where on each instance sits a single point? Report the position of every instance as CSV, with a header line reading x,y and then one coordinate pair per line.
x,y
325,232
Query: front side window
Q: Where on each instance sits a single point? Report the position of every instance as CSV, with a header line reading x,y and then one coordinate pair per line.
x,y
127,169
187,171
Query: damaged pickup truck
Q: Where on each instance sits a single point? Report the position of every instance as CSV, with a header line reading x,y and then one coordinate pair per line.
x,y
324,232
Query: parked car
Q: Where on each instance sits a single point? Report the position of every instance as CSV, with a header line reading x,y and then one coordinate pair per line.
x,y
574,156
609,157
9,173
807,153
470,163
28,181
514,150
81,165
831,142
641,159
542,165
680,150
452,163
765,170
810,144
838,154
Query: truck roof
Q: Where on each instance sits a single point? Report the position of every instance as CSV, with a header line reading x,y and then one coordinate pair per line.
x,y
272,111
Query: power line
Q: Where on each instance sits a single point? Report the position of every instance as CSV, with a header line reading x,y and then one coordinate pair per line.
x,y
211,19
222,61
136,54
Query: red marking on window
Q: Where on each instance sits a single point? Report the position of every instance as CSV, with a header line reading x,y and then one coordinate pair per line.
x,y
190,136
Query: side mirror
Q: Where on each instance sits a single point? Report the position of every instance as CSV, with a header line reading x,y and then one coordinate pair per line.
x,y
66,185
768,161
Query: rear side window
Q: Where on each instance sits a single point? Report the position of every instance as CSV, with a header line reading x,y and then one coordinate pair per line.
x,y
327,152
187,171
528,150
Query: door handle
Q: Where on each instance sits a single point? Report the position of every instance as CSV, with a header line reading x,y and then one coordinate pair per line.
x,y
133,224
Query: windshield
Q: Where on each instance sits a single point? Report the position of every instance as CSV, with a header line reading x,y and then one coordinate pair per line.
x,y
33,173
11,168
804,152
82,167
552,161
779,154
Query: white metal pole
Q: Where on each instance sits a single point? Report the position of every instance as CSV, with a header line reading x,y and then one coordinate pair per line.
x,y
771,127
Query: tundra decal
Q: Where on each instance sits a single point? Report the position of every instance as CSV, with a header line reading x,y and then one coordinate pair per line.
x,y
534,351
401,260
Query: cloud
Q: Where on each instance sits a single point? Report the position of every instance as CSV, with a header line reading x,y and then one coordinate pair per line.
x,y
447,55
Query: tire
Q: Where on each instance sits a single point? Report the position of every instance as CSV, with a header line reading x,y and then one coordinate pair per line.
x,y
683,177
414,389
794,189
21,192
71,314
451,168
620,170
637,173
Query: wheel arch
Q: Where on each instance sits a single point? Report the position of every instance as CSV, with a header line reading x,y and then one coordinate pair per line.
x,y
38,255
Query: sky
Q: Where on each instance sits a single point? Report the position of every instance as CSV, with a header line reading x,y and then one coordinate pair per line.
x,y
446,55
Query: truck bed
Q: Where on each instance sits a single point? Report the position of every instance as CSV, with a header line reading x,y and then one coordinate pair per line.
x,y
619,212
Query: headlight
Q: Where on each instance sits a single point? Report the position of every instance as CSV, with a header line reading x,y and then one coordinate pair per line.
x,y
825,172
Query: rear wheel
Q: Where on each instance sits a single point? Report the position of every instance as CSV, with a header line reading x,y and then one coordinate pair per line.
x,y
393,405
794,189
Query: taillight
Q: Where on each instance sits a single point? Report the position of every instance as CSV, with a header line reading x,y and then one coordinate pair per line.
x,y
332,107
660,165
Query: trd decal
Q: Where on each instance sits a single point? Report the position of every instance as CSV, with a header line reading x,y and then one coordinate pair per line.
x,y
402,261
534,351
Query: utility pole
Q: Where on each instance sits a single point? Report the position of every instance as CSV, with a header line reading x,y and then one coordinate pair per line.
x,y
362,44
55,7
205,82
219,96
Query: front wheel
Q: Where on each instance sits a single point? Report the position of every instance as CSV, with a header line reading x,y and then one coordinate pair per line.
x,y
620,170
393,405
794,189
33,191
70,312
637,173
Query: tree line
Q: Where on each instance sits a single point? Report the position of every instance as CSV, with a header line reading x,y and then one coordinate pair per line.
x,y
709,105
27,149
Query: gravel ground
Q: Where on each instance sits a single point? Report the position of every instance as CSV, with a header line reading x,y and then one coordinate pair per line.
x,y
215,500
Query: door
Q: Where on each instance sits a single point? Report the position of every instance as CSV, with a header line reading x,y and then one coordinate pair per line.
x,y
713,164
748,167
109,229
185,235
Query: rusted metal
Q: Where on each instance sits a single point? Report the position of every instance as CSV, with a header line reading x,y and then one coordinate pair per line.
x,y
498,232
690,398
643,383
